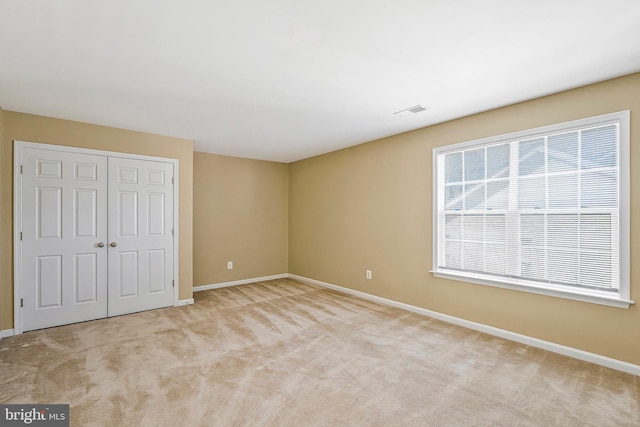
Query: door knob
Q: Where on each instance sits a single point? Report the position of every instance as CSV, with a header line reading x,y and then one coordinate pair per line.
x,y
113,244
101,245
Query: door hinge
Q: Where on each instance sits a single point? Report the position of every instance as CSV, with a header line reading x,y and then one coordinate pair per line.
x,y
20,169
173,283
173,232
21,235
21,302
172,181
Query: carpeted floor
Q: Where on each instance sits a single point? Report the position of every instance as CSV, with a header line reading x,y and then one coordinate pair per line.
x,y
283,353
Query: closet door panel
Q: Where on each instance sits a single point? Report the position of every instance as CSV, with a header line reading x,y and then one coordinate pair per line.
x,y
64,218
140,235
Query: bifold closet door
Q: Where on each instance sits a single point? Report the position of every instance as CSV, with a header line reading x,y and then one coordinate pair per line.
x,y
64,238
140,216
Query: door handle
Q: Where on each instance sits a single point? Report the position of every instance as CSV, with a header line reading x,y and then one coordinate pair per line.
x,y
101,245
113,244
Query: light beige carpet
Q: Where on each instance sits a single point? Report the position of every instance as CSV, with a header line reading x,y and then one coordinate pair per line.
x,y
283,353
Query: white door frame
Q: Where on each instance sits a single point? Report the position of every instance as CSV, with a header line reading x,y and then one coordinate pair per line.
x,y
18,146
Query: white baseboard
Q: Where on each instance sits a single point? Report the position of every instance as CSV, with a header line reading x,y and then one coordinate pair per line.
x,y
184,302
239,282
512,336
6,333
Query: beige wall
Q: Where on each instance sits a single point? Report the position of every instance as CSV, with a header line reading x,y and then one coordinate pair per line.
x,y
240,215
369,207
26,127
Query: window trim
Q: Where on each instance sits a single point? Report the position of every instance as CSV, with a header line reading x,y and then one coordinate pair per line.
x,y
621,299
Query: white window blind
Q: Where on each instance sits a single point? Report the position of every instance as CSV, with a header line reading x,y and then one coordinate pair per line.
x,y
540,209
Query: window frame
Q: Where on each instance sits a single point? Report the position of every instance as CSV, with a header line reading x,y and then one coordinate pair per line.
x,y
621,299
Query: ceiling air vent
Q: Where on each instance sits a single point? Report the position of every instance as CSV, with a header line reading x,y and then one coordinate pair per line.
x,y
411,110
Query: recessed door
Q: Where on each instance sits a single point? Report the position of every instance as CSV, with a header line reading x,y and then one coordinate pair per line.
x,y
140,205
64,236
94,235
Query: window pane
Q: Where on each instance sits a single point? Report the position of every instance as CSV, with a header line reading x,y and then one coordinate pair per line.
x,y
474,164
531,193
453,227
595,232
532,264
531,156
496,258
453,197
563,152
473,257
599,147
599,189
563,191
532,230
498,195
562,266
473,228
498,161
474,196
562,231
453,167
595,269
496,228
453,254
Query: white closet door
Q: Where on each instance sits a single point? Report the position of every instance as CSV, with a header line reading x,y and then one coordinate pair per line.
x,y
140,205
64,267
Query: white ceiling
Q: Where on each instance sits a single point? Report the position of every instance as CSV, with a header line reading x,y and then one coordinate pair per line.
x,y
288,79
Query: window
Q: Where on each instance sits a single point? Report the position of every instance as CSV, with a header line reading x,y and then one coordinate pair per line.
x,y
544,210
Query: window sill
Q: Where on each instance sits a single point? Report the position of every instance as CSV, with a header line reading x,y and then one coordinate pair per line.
x,y
513,284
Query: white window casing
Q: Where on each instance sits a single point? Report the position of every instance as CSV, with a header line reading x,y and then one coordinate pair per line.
x,y
544,210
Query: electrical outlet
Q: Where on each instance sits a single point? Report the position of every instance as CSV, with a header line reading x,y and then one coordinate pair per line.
x,y
230,265
368,274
